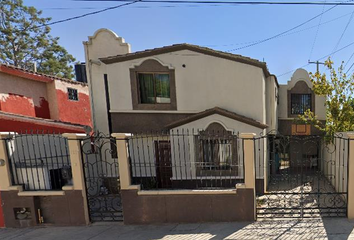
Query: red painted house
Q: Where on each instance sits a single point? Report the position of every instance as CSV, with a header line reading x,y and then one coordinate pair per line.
x,y
32,101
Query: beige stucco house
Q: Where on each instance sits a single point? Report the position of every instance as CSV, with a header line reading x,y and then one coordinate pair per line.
x,y
190,89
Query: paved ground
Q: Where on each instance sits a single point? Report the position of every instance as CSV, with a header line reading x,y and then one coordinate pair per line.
x,y
275,229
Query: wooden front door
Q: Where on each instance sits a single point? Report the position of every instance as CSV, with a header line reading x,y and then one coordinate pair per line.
x,y
163,164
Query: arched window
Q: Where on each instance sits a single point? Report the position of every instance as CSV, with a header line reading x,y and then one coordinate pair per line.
x,y
216,152
300,99
153,86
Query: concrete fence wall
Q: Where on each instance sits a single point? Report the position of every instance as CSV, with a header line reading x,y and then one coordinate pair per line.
x,y
176,206
70,207
30,208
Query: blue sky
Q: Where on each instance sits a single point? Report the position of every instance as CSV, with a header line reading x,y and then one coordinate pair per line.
x,y
220,27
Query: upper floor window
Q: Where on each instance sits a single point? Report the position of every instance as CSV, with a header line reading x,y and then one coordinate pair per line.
x,y
72,94
154,88
300,103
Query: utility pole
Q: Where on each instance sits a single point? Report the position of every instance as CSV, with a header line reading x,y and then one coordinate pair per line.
x,y
317,65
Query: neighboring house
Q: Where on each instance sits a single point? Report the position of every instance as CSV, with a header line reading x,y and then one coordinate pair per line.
x,y
30,101
295,98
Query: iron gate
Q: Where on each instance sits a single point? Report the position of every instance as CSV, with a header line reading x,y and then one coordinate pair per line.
x,y
305,176
100,163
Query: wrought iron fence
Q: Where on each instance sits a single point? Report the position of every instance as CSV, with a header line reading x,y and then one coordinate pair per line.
x,y
305,176
39,161
100,163
186,159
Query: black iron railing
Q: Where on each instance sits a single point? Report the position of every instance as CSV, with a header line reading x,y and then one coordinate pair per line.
x,y
39,161
307,176
186,159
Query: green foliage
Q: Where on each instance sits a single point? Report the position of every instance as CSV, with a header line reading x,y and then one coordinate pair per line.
x,y
25,40
338,90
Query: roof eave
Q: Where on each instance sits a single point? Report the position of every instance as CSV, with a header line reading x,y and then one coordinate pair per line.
x,y
179,47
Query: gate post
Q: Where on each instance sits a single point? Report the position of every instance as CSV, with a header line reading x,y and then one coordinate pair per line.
x,y
74,145
249,164
5,175
351,177
123,160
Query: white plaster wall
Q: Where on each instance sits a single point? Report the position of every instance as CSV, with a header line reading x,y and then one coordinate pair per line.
x,y
204,83
236,127
271,103
142,149
103,43
335,162
283,101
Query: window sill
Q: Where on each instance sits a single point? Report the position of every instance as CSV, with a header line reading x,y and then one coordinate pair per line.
x,y
158,106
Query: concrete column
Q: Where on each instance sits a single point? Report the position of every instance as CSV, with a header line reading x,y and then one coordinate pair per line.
x,y
249,165
249,159
77,169
351,177
123,159
5,174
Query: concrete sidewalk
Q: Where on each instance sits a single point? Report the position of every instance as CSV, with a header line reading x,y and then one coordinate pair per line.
x,y
276,229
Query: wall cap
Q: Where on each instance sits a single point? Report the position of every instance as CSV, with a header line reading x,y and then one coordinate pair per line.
x,y
41,193
240,185
15,188
68,188
186,192
74,136
132,187
121,135
350,135
4,135
247,135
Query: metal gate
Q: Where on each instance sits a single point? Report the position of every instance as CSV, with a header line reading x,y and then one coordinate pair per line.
x,y
100,163
305,176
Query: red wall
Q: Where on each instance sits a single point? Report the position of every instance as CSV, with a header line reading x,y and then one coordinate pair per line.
x,y
2,223
74,111
42,111
18,104
9,125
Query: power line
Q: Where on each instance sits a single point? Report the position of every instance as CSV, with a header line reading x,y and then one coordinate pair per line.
x,y
345,29
228,2
328,55
350,58
88,14
284,32
288,34
349,68
318,28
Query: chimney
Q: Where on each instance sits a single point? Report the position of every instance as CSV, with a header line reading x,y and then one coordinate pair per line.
x,y
80,72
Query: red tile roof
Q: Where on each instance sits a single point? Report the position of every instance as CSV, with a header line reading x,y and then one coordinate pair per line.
x,y
220,111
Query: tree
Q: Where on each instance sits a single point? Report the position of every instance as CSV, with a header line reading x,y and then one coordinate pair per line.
x,y
25,40
338,90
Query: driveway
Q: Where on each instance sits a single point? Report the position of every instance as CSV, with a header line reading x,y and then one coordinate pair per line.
x,y
335,228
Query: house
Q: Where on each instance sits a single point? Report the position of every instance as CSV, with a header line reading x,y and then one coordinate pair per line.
x,y
30,101
191,91
181,87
